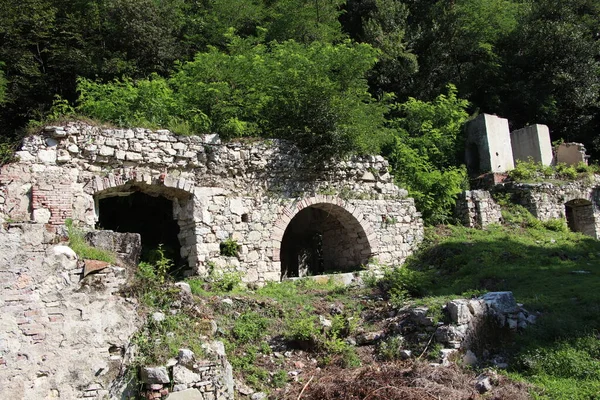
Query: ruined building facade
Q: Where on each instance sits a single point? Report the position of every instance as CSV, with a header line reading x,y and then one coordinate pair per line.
x,y
257,207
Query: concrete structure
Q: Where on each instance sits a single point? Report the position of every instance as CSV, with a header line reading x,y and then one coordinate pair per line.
x,y
195,195
571,154
532,143
488,145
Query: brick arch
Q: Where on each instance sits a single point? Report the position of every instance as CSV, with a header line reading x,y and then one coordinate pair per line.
x,y
347,214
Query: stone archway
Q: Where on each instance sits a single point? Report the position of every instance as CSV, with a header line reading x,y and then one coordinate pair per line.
x,y
580,216
321,235
160,214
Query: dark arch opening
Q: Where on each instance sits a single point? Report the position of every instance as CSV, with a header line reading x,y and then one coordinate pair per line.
x,y
580,216
320,239
150,216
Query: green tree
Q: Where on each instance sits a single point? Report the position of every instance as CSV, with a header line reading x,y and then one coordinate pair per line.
x,y
382,24
424,155
554,78
2,84
316,95
305,21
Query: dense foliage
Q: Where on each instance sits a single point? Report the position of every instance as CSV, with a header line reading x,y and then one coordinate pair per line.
x,y
313,94
320,72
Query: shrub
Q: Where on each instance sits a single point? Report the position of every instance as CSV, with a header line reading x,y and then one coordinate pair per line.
x,y
229,248
556,225
403,283
249,327
302,327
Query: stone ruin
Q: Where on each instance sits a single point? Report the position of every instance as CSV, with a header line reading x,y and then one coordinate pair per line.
x,y
193,194
490,147
66,328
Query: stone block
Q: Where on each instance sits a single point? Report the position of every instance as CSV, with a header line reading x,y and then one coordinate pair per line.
x,y
188,394
532,142
155,375
571,154
502,302
488,146
128,246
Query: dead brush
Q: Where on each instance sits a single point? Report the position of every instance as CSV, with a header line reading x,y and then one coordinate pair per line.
x,y
404,380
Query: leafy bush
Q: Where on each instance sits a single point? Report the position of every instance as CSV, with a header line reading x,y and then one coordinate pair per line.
x,y
424,154
576,358
403,283
225,281
530,171
389,349
302,327
556,225
315,95
229,248
516,214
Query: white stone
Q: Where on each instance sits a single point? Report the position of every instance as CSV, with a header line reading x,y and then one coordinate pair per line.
x,y
459,311
236,206
155,375
47,156
183,375
24,156
107,151
41,215
188,394
131,156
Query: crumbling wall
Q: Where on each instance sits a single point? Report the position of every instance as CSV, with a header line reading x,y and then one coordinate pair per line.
x,y
61,336
577,202
477,209
243,191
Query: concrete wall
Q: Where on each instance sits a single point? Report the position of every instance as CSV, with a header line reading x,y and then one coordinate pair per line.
x,y
489,137
571,154
532,142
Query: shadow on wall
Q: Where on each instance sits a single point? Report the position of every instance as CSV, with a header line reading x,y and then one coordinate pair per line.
x,y
323,238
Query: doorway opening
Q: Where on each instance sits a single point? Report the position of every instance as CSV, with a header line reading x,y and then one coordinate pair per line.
x,y
580,216
149,215
323,238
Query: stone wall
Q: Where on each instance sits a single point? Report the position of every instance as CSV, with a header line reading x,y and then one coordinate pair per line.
x,y
477,209
577,202
247,191
61,335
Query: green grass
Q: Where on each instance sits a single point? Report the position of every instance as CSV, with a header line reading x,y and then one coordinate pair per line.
x,y
83,249
561,352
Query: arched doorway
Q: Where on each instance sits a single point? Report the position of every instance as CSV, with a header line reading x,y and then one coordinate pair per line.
x,y
153,211
580,216
323,238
